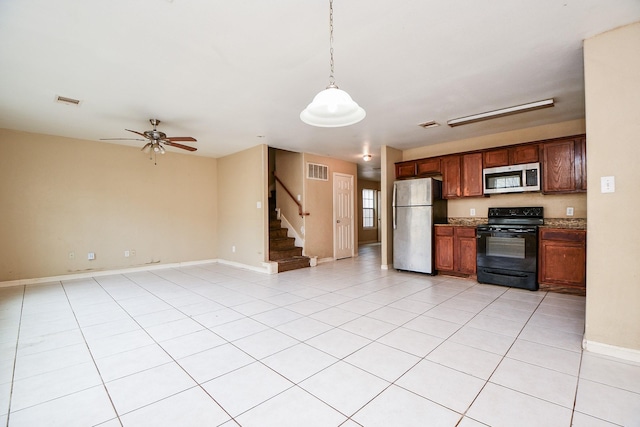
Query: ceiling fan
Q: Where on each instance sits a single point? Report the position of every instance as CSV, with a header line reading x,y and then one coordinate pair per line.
x,y
157,140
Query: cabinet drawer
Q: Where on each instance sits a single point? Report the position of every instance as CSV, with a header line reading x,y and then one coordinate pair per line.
x,y
444,231
465,231
563,235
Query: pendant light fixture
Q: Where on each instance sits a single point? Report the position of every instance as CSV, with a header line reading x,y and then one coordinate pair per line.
x,y
332,107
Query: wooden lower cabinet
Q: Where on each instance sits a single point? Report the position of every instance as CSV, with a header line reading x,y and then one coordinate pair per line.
x,y
455,250
562,260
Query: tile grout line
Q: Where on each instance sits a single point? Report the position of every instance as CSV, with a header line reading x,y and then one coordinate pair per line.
x,y
15,358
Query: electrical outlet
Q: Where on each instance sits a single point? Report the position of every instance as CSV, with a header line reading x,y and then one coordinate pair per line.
x,y
472,212
91,256
126,254
569,211
72,255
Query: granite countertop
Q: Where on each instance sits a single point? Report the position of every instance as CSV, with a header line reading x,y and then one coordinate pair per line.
x,y
568,223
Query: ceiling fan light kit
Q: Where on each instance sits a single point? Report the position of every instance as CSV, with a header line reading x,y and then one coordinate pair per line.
x,y
332,107
502,112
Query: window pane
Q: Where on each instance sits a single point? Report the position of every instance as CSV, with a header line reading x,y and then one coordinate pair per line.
x,y
367,207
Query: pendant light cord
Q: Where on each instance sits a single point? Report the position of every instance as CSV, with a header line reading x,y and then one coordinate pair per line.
x,y
332,80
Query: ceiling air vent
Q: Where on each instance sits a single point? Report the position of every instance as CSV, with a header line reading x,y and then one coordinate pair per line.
x,y
431,124
68,101
316,171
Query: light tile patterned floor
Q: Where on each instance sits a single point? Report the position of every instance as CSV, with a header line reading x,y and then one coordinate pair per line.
x,y
341,344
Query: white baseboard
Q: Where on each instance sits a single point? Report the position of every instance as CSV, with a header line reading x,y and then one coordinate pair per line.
x,y
323,260
630,354
386,266
151,267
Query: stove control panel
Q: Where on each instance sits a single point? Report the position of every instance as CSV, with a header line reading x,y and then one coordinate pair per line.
x,y
519,212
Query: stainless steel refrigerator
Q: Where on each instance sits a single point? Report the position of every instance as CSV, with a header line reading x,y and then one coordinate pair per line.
x,y
417,206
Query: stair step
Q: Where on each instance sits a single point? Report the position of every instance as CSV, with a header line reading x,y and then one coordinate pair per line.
x,y
275,223
277,233
282,243
276,255
293,263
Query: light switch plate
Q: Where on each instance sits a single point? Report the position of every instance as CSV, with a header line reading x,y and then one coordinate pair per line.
x,y
569,211
607,184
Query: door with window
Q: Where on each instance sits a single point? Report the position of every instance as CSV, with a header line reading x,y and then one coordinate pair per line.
x,y
343,214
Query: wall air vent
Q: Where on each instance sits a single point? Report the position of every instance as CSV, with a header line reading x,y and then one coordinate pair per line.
x,y
316,171
68,101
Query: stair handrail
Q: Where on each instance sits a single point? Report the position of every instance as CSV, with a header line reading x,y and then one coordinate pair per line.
x,y
300,212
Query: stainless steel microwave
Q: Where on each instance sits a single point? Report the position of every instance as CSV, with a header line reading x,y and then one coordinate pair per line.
x,y
511,179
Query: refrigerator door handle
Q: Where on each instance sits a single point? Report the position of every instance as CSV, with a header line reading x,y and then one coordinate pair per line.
x,y
393,204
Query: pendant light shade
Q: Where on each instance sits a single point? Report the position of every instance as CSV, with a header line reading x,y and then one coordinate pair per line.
x,y
332,107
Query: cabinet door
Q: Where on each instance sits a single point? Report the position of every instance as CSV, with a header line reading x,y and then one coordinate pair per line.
x,y
444,248
428,166
524,154
406,169
495,158
558,173
581,164
562,263
451,177
563,257
466,253
472,175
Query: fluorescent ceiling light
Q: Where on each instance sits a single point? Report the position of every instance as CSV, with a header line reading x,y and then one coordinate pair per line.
x,y
502,112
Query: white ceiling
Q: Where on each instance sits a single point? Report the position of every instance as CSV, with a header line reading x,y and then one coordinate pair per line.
x,y
234,74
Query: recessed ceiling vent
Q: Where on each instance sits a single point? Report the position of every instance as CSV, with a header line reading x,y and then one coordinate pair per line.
x,y
431,124
67,101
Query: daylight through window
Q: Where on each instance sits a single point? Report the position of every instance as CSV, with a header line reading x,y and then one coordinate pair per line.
x,y
367,208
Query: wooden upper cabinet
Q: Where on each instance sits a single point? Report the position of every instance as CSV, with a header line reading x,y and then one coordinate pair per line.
x,y
581,164
522,154
563,163
472,175
495,158
406,169
430,166
451,177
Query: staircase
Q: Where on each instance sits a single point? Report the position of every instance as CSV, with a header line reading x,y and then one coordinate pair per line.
x,y
282,249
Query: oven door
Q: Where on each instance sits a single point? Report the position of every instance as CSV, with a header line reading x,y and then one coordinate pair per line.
x,y
508,256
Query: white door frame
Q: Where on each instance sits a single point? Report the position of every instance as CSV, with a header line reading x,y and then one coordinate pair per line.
x,y
352,209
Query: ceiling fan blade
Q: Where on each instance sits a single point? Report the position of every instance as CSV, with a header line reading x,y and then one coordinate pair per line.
x,y
174,144
147,145
137,133
182,138
122,139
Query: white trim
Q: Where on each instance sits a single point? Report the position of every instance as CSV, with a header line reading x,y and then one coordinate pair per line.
x,y
291,232
630,354
323,260
385,267
100,273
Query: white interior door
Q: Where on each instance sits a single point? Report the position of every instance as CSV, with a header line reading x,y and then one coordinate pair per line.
x,y
343,216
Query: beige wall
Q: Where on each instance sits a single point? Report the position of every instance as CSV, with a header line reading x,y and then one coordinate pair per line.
x,y
367,235
61,195
242,185
318,201
612,67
